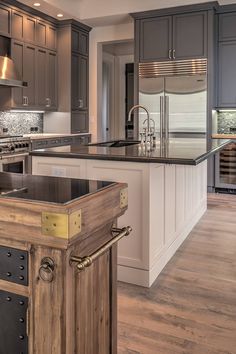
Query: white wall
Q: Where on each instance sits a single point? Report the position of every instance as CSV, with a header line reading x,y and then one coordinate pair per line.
x,y
98,36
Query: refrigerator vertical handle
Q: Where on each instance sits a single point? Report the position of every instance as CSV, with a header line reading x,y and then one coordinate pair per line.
x,y
167,116
161,116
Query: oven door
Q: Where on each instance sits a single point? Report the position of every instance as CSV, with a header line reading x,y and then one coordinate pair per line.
x,y
14,163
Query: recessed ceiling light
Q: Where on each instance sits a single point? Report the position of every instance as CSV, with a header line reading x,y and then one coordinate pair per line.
x,y
37,4
60,15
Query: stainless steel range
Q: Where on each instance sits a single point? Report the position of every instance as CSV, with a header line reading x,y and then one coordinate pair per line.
x,y
14,151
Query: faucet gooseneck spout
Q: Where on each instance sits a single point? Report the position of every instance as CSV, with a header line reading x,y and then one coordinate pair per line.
x,y
145,109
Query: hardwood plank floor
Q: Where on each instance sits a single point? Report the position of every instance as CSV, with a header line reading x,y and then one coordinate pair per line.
x,y
191,308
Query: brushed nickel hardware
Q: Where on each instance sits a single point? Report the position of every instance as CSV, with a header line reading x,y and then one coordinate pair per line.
x,y
173,68
174,54
167,115
161,116
170,57
84,262
46,269
24,101
48,102
81,103
61,225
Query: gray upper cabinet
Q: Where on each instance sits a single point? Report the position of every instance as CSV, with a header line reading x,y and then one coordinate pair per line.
x,y
24,57
155,38
5,20
79,82
182,36
33,30
227,75
80,42
190,35
51,81
227,27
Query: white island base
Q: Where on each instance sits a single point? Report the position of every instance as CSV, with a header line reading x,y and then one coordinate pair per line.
x,y
165,202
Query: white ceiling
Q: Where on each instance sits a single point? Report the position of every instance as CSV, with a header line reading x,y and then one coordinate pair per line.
x,y
107,12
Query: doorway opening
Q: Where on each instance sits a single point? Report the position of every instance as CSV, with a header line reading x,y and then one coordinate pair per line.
x,y
117,89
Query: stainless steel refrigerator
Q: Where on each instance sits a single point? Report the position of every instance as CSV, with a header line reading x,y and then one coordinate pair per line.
x,y
175,94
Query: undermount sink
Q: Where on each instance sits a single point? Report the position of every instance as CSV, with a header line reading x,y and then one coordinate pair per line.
x,y
117,143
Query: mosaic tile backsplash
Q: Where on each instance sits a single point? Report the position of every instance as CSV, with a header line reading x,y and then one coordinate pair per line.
x,y
19,123
226,120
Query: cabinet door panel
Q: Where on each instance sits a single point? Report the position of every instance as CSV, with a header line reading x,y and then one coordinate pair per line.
x,y
17,53
41,33
75,41
41,77
5,20
83,82
83,43
30,74
79,122
227,27
29,29
227,75
52,79
190,35
155,38
17,25
51,37
75,82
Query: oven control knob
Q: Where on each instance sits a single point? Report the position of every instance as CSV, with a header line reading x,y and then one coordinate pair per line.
x,y
12,148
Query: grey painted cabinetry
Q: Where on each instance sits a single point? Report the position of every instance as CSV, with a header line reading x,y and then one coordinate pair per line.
x,y
5,20
73,66
181,36
79,94
33,30
227,61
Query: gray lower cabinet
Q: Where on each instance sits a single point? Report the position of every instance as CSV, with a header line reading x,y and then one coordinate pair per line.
x,y
5,20
79,122
181,36
227,75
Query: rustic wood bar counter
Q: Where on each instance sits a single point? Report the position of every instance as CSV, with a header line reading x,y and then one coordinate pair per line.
x,y
58,264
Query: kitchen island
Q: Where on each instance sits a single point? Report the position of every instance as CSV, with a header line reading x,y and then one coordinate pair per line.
x,y
58,264
167,194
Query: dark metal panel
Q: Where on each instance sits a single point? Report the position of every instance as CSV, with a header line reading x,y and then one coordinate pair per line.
x,y
13,324
14,265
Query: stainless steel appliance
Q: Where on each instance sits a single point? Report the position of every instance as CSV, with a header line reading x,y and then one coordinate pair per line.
x,y
175,94
14,153
225,169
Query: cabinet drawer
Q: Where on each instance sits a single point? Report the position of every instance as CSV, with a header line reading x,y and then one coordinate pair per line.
x,y
39,144
67,141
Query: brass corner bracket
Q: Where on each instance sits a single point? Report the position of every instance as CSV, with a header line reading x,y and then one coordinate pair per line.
x,y
61,225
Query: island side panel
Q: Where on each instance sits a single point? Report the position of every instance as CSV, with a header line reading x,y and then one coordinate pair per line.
x,y
165,202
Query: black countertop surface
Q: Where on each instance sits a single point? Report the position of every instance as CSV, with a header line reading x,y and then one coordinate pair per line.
x,y
44,189
184,151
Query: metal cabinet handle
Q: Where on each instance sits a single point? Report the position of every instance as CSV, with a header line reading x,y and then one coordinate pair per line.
x,y
161,116
170,57
46,269
81,103
84,262
174,54
48,102
25,101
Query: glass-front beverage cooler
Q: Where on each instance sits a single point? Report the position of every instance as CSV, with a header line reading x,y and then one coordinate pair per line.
x,y
225,169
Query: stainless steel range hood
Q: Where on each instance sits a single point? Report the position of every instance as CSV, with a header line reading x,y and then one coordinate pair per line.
x,y
9,75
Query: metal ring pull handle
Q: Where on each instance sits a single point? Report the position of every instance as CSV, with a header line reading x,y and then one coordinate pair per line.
x,y
46,269
84,262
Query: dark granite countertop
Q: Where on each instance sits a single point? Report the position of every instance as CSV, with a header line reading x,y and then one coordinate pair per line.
x,y
184,151
44,189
